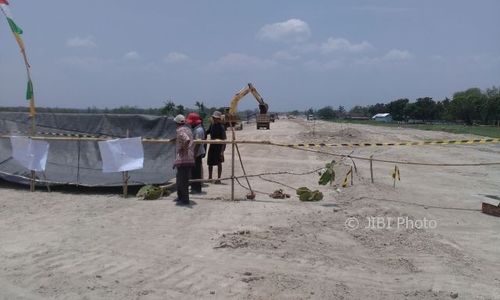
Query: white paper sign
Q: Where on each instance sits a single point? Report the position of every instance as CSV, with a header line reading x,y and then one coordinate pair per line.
x,y
31,154
121,155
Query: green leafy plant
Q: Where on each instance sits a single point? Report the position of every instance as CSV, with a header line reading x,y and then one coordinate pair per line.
x,y
150,192
305,194
327,175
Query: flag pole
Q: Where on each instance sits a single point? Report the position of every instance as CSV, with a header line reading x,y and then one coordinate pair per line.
x,y
17,31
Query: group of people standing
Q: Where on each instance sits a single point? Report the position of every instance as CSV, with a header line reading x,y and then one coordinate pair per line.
x,y
189,156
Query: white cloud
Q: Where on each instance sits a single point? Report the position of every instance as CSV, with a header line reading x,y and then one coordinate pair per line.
x,y
393,55
340,44
238,61
396,54
293,30
81,42
86,63
305,48
285,55
175,57
315,65
132,55
365,61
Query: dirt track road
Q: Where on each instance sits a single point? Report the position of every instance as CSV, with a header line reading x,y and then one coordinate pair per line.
x,y
80,246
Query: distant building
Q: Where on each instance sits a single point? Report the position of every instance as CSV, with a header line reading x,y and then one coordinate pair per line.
x,y
385,117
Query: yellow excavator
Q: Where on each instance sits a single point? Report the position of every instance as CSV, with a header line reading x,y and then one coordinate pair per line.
x,y
231,118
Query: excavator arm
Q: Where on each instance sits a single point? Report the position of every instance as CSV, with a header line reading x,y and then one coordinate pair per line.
x,y
263,107
231,118
234,102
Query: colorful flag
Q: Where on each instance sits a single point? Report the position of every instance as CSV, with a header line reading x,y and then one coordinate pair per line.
x,y
17,32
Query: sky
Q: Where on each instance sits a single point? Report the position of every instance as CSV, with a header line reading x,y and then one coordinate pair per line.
x,y
298,54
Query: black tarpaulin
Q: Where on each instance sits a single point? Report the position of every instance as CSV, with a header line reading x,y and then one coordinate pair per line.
x,y
79,162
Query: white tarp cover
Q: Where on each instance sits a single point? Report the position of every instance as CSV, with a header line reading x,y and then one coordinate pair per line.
x,y
31,154
121,155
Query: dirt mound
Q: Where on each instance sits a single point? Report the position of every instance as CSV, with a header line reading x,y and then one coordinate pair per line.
x,y
350,132
333,136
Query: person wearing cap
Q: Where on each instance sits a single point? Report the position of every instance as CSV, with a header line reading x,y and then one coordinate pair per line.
x,y
194,120
184,159
215,155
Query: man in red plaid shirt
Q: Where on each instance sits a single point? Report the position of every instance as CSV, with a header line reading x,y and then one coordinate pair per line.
x,y
184,159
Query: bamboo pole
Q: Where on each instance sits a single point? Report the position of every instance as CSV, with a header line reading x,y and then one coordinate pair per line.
x,y
125,176
125,184
394,176
47,184
211,180
233,144
32,133
168,186
32,181
371,167
352,177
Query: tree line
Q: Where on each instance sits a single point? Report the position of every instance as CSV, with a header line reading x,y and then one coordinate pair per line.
x,y
169,109
472,106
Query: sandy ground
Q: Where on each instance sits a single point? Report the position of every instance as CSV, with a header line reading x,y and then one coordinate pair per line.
x,y
71,245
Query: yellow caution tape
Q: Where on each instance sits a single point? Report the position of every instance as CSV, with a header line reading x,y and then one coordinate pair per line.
x,y
47,135
346,179
419,143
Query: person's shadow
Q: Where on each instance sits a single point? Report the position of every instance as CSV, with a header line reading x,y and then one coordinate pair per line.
x,y
191,204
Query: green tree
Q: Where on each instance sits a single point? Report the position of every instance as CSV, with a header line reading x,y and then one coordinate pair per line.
x,y
180,110
168,109
201,109
493,95
327,113
425,109
341,112
377,108
410,111
359,111
446,112
464,105
397,109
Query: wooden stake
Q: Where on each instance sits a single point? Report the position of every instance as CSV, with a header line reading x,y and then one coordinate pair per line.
x,y
32,133
352,177
125,184
125,176
394,176
232,163
47,184
371,167
32,181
